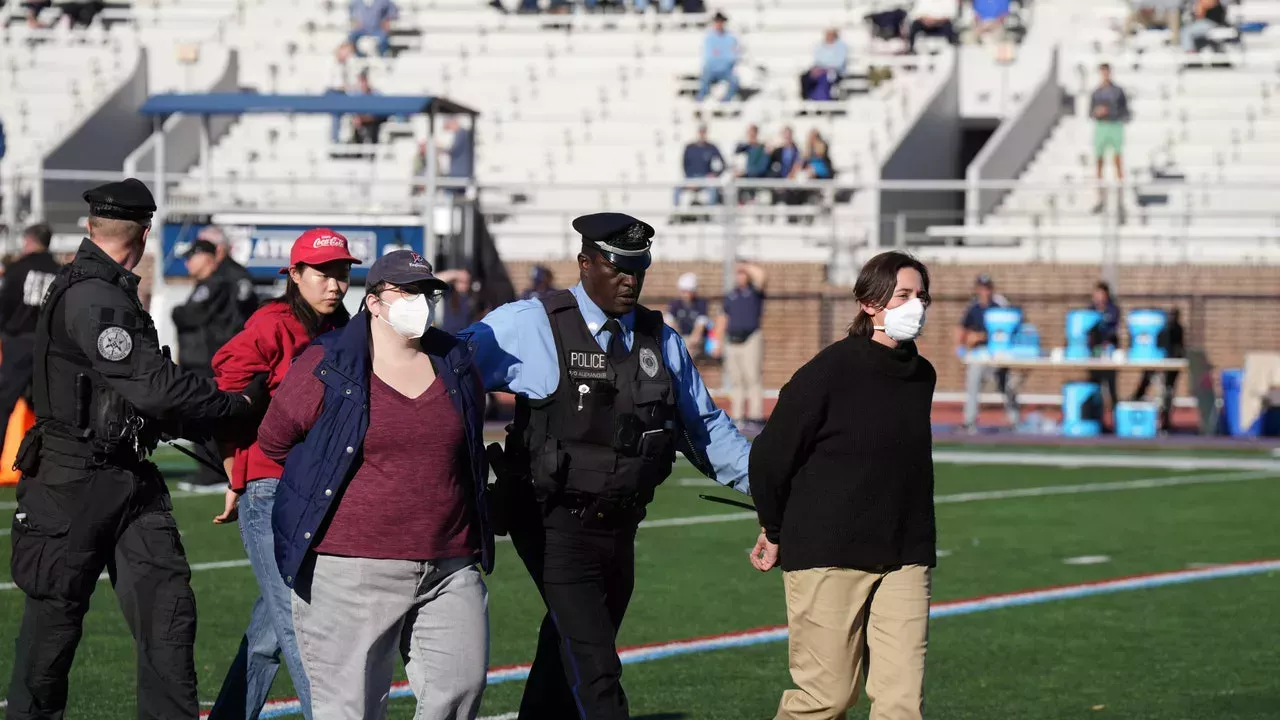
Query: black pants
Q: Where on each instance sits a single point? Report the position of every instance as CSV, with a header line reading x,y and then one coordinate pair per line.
x,y
1166,403
586,576
1106,380
71,523
15,372
944,29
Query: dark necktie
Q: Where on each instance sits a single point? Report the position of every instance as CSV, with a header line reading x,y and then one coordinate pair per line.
x,y
617,348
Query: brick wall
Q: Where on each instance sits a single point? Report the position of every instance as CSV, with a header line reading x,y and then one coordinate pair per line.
x,y
1227,310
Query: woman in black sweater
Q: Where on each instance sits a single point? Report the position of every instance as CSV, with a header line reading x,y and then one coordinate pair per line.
x,y
842,478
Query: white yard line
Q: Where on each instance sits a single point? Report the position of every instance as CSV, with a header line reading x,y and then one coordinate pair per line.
x,y
1043,491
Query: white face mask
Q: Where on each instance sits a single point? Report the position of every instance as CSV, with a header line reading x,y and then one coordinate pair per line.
x,y
904,322
409,317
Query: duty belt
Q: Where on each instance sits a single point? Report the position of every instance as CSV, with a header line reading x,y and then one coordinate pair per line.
x,y
599,510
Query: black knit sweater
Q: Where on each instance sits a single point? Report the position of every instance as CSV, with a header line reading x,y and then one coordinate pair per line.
x,y
842,475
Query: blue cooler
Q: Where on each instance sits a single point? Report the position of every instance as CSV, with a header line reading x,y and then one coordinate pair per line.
x,y
1137,419
1145,327
1081,409
1079,323
1267,425
1026,342
1001,324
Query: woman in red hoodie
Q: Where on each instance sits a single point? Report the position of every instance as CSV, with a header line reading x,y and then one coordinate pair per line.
x,y
318,277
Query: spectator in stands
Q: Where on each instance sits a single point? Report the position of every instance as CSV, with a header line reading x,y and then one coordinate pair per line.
x,y
342,81
743,344
687,314
33,12
1207,15
461,306
1171,340
757,161
935,18
886,24
1155,14
541,282
702,160
366,127
1103,338
784,160
989,16
461,151
971,334
1109,107
720,55
817,160
372,18
830,59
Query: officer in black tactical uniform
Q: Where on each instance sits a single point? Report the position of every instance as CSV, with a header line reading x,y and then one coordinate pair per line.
x,y
89,499
605,394
25,282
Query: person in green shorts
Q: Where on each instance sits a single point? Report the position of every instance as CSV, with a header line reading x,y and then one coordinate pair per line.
x,y
1110,110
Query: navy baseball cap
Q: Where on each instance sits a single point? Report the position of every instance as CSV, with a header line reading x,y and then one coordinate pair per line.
x,y
404,267
623,240
984,280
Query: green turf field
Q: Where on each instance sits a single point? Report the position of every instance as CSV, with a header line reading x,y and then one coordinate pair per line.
x,y
1198,650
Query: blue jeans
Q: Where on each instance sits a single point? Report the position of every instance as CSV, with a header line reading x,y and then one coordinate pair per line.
x,y
1195,31
384,40
270,634
711,77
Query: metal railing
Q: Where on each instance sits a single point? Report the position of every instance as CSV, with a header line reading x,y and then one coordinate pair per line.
x,y
1047,221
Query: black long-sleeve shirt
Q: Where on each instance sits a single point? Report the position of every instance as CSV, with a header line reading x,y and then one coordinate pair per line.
x,y
842,475
25,281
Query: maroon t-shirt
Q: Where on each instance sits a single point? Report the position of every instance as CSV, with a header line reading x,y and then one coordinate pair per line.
x,y
410,498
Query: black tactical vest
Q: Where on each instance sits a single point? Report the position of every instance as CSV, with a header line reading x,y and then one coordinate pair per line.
x,y
608,431
71,399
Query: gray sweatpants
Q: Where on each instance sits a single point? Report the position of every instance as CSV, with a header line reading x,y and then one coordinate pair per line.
x,y
356,613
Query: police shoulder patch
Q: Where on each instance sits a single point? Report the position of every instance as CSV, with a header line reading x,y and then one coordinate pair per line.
x,y
649,362
115,344
244,290
201,294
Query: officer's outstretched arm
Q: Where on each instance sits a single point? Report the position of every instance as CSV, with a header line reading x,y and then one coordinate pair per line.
x,y
122,346
709,439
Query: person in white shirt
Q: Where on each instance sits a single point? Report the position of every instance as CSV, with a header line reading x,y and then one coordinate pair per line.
x,y
342,80
935,18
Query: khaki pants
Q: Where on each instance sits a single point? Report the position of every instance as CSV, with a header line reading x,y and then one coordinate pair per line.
x,y
745,364
847,624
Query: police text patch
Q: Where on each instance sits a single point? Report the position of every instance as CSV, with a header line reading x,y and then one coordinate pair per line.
x,y
115,344
589,365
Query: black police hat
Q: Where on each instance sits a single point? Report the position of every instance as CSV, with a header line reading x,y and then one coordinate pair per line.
x,y
201,246
623,240
125,200
404,267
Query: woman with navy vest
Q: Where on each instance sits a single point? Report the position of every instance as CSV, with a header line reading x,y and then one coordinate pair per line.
x,y
316,282
380,518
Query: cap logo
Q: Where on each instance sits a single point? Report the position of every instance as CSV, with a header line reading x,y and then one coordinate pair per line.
x,y
329,241
418,262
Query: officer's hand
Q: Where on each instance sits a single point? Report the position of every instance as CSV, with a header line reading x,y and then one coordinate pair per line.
x,y
256,392
765,554
230,511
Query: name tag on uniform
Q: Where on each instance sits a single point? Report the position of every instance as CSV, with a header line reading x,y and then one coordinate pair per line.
x,y
588,365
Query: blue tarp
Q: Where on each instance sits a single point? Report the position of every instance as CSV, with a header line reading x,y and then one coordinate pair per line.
x,y
241,103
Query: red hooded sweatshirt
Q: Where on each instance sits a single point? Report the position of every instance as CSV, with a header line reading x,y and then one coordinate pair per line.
x,y
271,339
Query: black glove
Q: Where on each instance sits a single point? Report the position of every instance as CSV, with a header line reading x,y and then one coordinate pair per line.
x,y
257,392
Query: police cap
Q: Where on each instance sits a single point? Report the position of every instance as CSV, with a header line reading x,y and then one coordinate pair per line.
x,y
201,246
125,200
623,240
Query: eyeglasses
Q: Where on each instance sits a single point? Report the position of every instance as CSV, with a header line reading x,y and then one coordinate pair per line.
x,y
409,291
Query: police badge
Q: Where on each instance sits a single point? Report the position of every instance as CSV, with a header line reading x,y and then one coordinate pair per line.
x,y
649,362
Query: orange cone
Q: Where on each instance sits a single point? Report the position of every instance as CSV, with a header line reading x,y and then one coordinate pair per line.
x,y
20,421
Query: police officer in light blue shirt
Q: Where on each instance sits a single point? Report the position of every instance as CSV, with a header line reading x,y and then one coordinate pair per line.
x,y
605,394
